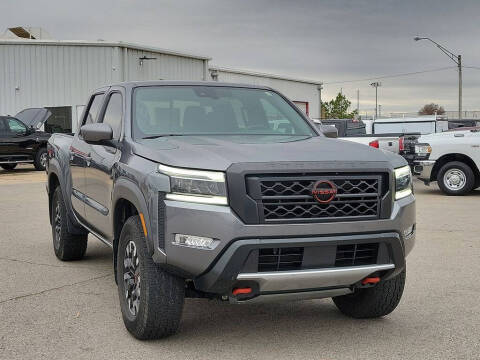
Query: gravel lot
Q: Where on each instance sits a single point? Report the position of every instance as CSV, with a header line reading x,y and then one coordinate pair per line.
x,y
55,310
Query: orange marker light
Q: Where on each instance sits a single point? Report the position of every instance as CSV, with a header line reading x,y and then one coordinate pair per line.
x,y
143,224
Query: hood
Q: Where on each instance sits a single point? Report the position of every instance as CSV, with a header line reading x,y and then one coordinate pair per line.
x,y
34,117
219,152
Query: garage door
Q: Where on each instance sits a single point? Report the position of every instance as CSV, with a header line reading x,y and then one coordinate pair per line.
x,y
302,105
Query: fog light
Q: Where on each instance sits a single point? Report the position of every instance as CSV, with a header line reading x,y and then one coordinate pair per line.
x,y
195,241
408,232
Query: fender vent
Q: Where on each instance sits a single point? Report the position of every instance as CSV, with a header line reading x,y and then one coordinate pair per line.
x,y
161,220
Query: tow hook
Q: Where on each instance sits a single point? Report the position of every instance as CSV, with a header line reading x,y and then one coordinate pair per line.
x,y
370,280
239,291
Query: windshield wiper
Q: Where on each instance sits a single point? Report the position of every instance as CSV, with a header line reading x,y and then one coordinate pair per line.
x,y
161,135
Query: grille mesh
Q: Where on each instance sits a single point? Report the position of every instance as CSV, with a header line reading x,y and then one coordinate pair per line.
x,y
280,259
356,254
291,199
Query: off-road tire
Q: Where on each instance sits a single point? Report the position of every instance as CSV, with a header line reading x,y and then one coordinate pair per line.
x,y
38,162
66,246
373,302
161,294
467,170
8,167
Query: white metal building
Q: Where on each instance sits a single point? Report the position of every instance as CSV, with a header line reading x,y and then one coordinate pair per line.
x,y
304,93
59,75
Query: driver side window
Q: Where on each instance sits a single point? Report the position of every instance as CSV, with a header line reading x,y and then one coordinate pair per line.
x,y
16,126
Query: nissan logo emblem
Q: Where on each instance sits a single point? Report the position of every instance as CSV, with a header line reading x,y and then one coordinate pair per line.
x,y
324,191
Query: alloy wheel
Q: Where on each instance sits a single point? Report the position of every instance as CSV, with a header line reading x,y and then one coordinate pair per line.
x,y
131,278
43,160
58,227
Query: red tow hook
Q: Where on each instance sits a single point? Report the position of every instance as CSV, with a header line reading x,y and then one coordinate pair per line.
x,y
370,280
239,291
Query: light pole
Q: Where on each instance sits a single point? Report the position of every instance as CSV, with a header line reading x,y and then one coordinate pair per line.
x,y
320,87
457,59
376,84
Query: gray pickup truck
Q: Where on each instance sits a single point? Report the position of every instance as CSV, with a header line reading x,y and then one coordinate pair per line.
x,y
228,192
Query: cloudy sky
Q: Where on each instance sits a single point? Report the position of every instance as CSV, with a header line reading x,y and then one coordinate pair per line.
x,y
333,41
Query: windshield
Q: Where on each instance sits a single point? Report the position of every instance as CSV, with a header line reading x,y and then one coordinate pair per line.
x,y
211,110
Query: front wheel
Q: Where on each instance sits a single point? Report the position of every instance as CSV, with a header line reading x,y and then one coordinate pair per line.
x,y
456,178
373,302
40,161
151,300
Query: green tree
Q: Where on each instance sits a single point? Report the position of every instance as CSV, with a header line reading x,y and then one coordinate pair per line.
x,y
338,108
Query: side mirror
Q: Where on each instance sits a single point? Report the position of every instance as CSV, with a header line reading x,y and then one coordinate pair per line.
x,y
329,131
96,133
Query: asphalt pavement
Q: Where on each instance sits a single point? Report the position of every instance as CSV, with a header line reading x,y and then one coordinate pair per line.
x,y
58,310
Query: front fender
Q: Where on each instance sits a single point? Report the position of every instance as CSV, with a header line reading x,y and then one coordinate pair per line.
x,y
128,190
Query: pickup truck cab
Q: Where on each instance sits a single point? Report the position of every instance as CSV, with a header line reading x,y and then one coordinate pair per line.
x,y
22,141
227,191
451,158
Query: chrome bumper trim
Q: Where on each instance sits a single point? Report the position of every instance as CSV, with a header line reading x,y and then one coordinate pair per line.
x,y
312,279
423,169
294,296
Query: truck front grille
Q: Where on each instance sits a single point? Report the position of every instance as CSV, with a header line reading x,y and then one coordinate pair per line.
x,y
300,258
291,199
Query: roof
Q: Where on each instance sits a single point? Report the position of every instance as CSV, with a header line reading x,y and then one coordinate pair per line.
x,y
132,84
101,43
265,75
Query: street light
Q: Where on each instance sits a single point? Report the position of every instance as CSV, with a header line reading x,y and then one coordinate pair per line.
x,y
457,59
376,84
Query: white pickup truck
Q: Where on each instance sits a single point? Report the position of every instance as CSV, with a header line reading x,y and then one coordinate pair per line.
x,y
451,158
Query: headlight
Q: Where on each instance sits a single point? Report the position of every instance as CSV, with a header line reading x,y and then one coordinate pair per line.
x,y
198,186
423,149
403,182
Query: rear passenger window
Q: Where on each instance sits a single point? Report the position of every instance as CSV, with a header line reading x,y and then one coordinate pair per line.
x,y
93,109
113,114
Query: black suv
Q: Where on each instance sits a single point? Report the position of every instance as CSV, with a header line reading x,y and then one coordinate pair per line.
x,y
21,141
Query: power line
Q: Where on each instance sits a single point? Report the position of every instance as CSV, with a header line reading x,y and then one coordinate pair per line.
x,y
395,75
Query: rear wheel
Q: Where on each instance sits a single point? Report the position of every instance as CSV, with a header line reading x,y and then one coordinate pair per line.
x,y
151,300
40,161
373,302
456,178
66,246
8,166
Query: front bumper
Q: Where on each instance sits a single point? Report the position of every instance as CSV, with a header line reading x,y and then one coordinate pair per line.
x,y
218,270
422,169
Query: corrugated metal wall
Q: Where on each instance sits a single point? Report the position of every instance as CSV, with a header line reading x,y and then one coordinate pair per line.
x,y
163,67
294,90
37,75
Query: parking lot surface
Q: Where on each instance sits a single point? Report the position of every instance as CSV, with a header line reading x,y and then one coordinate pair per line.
x,y
58,310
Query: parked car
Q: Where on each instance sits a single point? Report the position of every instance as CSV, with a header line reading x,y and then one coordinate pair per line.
x,y
200,195
347,127
21,141
452,159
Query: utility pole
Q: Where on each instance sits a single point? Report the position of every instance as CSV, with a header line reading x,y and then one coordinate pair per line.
x,y
358,101
376,84
457,59
379,110
320,87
